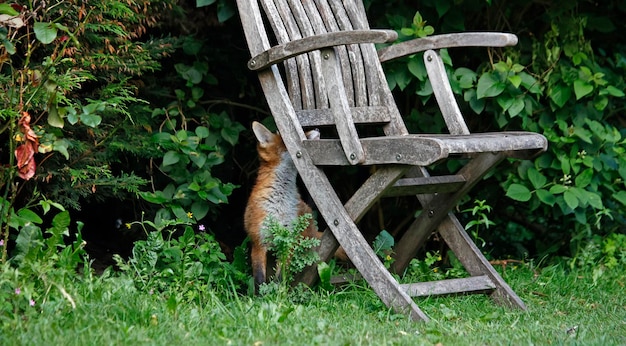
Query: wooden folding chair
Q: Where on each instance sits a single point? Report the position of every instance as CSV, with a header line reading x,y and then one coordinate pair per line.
x,y
318,66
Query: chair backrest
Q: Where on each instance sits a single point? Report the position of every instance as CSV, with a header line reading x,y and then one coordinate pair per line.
x,y
269,22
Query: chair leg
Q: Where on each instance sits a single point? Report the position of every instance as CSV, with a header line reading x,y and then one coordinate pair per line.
x,y
362,200
436,207
357,248
474,262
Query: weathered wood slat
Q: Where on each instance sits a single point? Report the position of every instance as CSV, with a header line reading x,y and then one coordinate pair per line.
x,y
305,77
466,39
424,150
291,66
492,142
471,284
423,185
317,25
360,115
443,93
340,109
378,150
291,49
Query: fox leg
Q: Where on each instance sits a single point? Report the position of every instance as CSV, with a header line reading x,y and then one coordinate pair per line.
x,y
259,264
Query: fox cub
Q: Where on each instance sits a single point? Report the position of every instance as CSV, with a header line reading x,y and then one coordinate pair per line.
x,y
274,194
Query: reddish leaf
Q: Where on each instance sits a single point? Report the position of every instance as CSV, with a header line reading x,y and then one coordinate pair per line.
x,y
25,153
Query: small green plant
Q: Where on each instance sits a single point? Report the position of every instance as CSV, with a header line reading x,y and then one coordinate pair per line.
x,y
418,27
43,267
383,247
481,219
292,250
602,254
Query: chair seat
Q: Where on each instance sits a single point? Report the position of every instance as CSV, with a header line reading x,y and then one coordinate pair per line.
x,y
423,150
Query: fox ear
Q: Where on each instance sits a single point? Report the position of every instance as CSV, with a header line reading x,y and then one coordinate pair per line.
x,y
262,134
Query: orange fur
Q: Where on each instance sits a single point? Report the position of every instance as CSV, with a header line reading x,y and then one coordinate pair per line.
x,y
274,194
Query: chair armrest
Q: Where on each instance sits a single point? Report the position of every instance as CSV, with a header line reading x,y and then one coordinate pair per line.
x,y
288,50
470,39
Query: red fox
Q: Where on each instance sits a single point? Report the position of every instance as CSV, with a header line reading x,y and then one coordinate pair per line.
x,y
274,194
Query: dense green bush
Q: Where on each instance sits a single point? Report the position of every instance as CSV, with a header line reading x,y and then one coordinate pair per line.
x,y
564,80
77,128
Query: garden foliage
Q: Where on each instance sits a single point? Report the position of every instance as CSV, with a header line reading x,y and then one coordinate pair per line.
x,y
565,80
142,103
77,124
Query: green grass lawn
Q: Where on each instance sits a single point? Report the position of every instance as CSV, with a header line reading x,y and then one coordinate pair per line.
x,y
563,308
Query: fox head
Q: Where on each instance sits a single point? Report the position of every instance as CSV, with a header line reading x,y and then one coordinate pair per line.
x,y
270,145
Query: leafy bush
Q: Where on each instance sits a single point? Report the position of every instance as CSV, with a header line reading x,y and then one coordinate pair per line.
x,y
75,79
66,85
555,82
183,265
42,270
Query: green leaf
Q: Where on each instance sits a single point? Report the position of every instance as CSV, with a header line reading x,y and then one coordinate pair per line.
x,y
29,216
324,271
594,200
517,107
189,73
216,196
407,31
582,88
179,212
225,11
557,189
621,197
170,158
613,91
442,7
202,3
475,104
156,197
570,199
384,241
530,83
505,101
536,178
584,178
202,132
54,119
199,209
30,237
417,68
199,159
7,9
546,197
10,48
61,221
231,134
45,32
466,77
515,80
61,146
489,86
518,192
90,120
560,94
